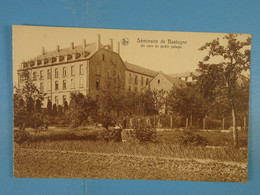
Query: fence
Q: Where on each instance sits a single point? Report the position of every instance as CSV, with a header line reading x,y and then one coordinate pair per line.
x,y
171,122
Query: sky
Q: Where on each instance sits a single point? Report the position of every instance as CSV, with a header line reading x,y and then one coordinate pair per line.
x,y
177,52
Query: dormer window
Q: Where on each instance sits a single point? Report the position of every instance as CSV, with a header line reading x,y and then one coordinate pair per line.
x,y
53,59
69,57
159,81
39,62
61,58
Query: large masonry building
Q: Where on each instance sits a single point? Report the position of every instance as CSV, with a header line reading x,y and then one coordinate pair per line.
x,y
87,68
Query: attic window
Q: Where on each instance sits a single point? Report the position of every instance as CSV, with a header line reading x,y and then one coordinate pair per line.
x,y
159,81
103,57
39,62
69,57
86,54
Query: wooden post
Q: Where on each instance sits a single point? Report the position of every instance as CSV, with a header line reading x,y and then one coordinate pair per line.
x,y
223,123
244,123
158,123
204,123
191,121
171,122
187,123
154,121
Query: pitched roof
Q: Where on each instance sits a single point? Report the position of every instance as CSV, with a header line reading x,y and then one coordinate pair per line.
x,y
185,74
176,82
91,48
141,70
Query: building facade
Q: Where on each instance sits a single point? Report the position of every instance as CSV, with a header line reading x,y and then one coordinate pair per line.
x,y
90,69
86,68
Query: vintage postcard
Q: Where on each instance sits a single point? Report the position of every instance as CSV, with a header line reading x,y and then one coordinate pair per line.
x,y
130,104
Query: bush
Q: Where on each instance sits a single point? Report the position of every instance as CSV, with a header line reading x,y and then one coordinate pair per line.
x,y
143,131
110,135
189,138
20,136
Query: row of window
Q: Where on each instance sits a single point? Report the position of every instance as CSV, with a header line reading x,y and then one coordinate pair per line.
x,y
136,80
56,72
64,85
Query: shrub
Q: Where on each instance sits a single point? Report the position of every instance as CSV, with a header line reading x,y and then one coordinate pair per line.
x,y
143,131
110,135
189,138
20,136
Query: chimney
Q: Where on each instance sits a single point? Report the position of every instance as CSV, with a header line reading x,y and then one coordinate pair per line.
x,y
84,44
72,45
111,44
99,41
58,48
118,48
43,51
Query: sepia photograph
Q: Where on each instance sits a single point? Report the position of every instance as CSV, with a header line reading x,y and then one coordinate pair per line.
x,y
130,104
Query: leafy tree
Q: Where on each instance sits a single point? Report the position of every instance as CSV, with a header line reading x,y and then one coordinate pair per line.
x,y
220,70
24,100
49,108
186,101
80,108
54,110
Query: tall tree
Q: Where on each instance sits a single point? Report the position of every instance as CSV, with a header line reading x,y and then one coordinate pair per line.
x,y
27,101
220,71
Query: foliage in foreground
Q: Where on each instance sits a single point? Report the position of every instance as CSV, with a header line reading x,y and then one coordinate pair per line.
x,y
188,138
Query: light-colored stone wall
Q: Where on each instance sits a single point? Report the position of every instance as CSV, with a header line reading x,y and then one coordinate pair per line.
x,y
130,81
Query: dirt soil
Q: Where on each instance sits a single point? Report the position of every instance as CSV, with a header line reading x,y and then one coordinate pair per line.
x,y
39,163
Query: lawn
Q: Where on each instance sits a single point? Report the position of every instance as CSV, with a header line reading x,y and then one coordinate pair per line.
x,y
49,154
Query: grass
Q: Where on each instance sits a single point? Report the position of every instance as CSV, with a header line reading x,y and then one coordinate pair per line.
x,y
75,154
68,164
147,149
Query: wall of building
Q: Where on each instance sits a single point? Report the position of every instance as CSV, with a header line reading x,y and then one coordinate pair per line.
x,y
136,82
106,68
62,75
160,82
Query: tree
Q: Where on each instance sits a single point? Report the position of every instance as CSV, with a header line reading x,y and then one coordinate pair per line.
x,y
187,102
27,101
220,70
80,108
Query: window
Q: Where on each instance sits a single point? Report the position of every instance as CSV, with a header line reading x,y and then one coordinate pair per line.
x,y
136,80
97,84
34,76
103,57
97,98
64,86
98,69
147,81
135,89
72,84
81,69
56,100
48,85
72,70
129,89
64,72
108,84
49,74
142,81
56,86
41,74
56,73
130,79
80,82
64,98
159,81
41,87
21,78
